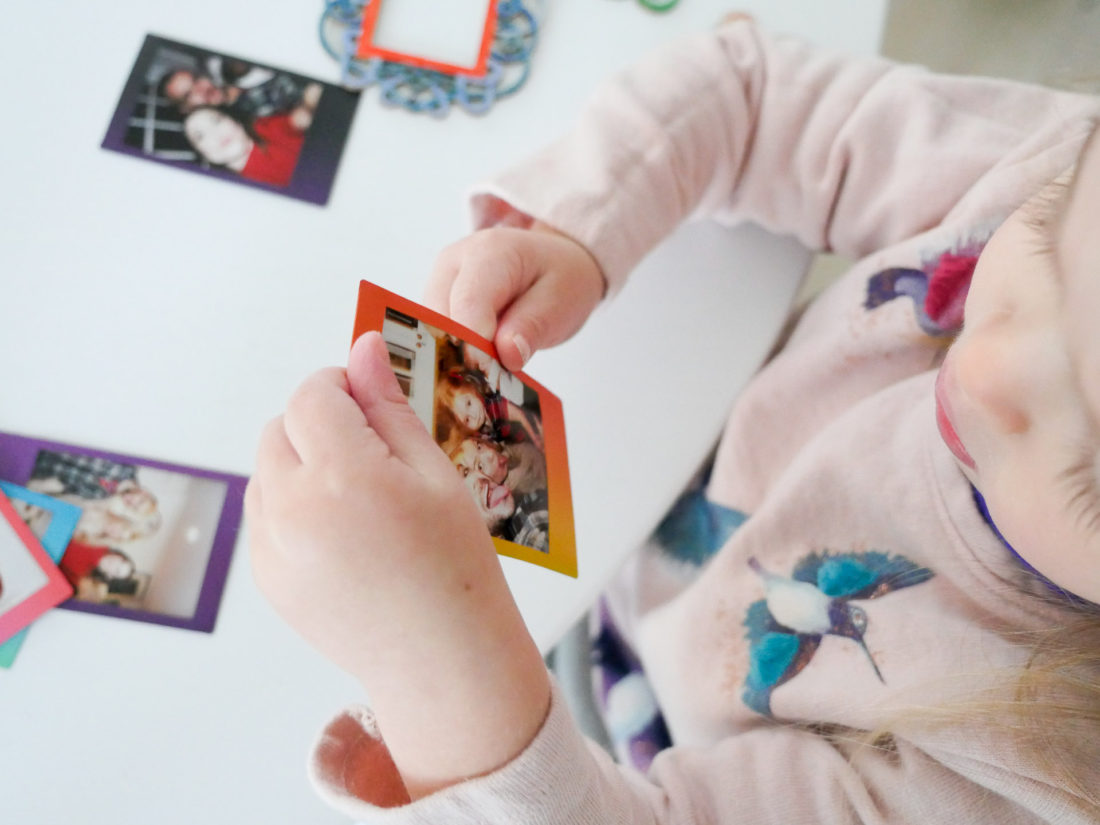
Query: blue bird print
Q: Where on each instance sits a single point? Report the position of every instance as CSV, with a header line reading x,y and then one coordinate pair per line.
x,y
696,528
785,628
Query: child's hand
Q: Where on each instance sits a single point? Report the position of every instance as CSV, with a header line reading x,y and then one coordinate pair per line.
x,y
359,521
365,540
523,289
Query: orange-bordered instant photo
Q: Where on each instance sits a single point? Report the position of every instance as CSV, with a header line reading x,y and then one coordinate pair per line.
x,y
503,431
368,47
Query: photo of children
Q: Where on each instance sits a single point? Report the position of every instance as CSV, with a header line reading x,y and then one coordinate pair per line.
x,y
152,542
503,432
487,421
144,536
233,118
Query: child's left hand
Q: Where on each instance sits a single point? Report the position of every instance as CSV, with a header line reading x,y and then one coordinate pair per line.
x,y
365,540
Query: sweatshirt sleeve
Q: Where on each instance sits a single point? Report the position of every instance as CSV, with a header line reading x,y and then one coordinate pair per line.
x,y
775,775
847,154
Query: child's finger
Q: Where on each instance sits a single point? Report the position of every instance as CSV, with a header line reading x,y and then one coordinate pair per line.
x,y
497,266
735,16
545,315
264,559
481,288
323,422
437,295
253,500
374,387
275,455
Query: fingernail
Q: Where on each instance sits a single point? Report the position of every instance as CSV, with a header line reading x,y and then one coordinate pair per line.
x,y
522,346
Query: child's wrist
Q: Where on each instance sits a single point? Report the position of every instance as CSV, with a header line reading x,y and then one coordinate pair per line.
x,y
466,713
458,690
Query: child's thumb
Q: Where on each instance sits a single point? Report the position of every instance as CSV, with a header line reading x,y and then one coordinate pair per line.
x,y
375,389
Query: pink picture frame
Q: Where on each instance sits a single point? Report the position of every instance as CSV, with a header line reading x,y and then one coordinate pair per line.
x,y
18,545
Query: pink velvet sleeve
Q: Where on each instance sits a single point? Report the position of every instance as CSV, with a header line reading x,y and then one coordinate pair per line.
x,y
774,775
847,154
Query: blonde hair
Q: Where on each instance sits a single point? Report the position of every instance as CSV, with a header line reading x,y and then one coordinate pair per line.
x,y
1052,708
113,519
1048,709
454,381
449,431
1056,707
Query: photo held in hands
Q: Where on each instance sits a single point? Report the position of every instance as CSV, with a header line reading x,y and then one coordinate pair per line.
x,y
503,432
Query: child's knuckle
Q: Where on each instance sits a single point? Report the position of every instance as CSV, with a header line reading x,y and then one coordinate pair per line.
x,y
304,405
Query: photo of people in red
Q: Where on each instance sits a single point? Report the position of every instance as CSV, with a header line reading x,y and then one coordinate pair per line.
x,y
233,119
223,113
486,420
144,534
115,511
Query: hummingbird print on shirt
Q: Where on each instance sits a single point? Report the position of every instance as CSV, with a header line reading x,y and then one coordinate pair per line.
x,y
938,289
785,628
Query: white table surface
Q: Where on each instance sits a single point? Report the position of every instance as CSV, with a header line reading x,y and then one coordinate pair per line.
x,y
163,314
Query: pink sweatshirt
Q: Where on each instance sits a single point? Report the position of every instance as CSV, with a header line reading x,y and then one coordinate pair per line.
x,y
864,579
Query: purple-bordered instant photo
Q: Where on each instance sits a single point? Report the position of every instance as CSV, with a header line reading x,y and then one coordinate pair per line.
x,y
154,540
232,119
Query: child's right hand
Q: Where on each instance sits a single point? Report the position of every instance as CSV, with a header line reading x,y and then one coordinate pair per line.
x,y
366,541
523,289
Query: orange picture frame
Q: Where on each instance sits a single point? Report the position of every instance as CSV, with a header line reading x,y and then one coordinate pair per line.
x,y
428,352
367,48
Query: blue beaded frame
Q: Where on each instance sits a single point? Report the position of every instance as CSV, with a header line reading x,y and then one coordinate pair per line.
x,y
426,90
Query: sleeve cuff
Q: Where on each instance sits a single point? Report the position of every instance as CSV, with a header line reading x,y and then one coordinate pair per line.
x,y
556,774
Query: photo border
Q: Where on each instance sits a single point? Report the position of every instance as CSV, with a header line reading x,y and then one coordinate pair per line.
x,y
55,590
367,50
17,457
321,153
63,521
562,556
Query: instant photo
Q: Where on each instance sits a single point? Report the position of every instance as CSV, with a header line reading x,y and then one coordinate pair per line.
x,y
154,540
503,432
232,118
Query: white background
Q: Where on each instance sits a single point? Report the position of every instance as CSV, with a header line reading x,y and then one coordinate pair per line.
x,y
158,313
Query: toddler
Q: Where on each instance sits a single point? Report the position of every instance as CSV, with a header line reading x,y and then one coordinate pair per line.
x,y
480,410
893,618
